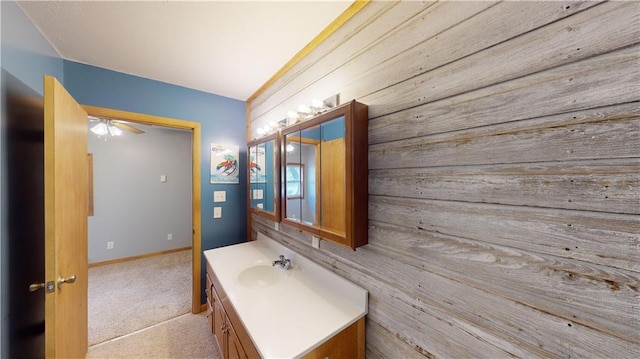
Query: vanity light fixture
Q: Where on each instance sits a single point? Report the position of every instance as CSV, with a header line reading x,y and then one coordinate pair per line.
x,y
303,113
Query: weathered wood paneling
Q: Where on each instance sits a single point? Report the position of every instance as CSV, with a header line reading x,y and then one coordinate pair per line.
x,y
504,194
600,140
602,185
575,38
450,310
588,236
599,81
416,42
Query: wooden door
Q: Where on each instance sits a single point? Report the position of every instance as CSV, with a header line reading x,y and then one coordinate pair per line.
x,y
65,149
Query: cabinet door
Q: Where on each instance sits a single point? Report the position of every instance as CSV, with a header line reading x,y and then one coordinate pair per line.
x,y
219,324
209,292
325,169
234,349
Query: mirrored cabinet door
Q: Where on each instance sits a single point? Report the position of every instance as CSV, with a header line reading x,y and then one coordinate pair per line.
x,y
333,182
294,180
325,175
264,176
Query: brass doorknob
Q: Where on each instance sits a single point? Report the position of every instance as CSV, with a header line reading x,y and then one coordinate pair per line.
x,y
50,286
35,286
62,280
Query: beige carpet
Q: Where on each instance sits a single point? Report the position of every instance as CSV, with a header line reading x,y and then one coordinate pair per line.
x,y
186,337
129,296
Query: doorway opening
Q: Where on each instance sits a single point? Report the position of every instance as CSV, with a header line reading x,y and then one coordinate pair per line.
x,y
194,127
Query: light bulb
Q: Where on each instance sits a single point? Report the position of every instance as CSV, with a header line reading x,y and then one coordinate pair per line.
x,y
304,109
315,103
100,129
114,131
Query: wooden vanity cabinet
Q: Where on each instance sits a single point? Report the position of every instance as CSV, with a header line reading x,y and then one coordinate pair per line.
x,y
233,340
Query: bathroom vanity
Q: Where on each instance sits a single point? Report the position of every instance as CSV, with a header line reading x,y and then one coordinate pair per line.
x,y
260,309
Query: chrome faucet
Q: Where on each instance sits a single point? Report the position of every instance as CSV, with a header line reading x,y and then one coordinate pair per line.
x,y
283,262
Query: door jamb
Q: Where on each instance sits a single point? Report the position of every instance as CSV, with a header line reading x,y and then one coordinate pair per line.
x,y
195,186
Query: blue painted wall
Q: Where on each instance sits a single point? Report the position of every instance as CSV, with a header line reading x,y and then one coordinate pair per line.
x,y
222,120
28,56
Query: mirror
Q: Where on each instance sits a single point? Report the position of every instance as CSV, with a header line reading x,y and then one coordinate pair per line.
x,y
323,160
264,184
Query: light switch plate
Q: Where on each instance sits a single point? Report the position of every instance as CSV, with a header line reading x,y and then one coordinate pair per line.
x,y
163,178
219,196
217,212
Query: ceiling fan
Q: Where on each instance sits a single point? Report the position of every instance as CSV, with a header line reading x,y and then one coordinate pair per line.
x,y
106,126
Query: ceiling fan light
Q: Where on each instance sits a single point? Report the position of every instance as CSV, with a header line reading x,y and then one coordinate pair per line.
x,y
100,129
114,131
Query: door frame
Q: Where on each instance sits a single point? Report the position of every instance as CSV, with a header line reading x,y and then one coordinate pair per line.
x,y
196,243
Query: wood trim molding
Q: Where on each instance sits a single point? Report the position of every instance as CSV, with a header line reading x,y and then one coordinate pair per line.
x,y
195,127
141,256
339,21
90,184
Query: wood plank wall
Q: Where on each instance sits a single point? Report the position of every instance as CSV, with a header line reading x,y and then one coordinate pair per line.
x,y
504,161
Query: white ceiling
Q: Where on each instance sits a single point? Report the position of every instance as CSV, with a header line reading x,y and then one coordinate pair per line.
x,y
229,48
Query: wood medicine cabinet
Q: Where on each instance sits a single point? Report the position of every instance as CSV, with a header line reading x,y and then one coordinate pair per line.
x,y
324,171
264,176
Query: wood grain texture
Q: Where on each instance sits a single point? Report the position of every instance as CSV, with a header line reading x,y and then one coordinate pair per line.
x,y
600,185
595,237
65,223
504,196
423,34
600,81
527,51
602,140
333,193
437,300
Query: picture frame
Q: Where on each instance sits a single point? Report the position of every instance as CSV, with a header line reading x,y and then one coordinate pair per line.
x,y
225,166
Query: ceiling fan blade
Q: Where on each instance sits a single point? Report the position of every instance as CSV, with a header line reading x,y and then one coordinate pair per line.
x,y
124,126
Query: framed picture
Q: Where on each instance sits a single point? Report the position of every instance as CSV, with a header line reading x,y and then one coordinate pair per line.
x,y
294,176
224,163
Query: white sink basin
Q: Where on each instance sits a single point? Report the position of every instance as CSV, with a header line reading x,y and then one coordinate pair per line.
x,y
313,303
261,276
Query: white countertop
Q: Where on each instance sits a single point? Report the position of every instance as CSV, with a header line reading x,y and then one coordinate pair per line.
x,y
287,313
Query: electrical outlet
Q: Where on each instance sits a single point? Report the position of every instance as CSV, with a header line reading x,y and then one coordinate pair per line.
x,y
315,242
169,236
109,245
217,212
